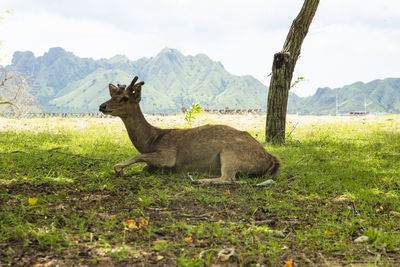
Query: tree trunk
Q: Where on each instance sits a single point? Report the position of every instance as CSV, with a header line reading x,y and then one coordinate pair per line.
x,y
282,73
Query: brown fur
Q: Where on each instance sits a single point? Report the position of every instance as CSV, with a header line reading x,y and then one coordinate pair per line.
x,y
208,149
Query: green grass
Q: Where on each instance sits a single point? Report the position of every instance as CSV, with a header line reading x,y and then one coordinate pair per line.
x,y
306,216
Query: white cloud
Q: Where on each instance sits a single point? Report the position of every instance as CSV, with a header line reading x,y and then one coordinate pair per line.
x,y
343,55
348,40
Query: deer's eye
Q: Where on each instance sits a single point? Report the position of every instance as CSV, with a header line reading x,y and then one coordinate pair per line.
x,y
124,99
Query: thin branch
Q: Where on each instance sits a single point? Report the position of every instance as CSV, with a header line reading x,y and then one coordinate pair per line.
x,y
294,128
156,209
201,216
17,92
10,101
3,82
54,148
7,102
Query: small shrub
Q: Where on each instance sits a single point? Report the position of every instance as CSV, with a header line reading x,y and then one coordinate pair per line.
x,y
190,114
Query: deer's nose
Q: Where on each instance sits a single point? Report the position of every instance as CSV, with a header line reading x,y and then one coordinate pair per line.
x,y
103,107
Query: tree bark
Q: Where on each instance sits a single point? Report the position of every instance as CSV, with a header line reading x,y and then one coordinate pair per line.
x,y
282,73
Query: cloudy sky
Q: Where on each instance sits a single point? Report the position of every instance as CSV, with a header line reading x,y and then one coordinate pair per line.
x,y
349,40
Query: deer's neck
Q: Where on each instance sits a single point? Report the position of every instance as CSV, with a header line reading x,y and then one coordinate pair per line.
x,y
140,131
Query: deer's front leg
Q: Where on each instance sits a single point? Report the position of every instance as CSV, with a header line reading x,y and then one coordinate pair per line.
x,y
159,159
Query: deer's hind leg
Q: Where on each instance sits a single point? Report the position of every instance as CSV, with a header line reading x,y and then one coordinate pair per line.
x,y
158,159
229,167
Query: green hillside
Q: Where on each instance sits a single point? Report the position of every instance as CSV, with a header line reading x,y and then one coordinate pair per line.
x,y
49,73
64,82
381,96
86,94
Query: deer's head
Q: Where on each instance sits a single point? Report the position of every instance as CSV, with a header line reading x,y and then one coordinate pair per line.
x,y
124,100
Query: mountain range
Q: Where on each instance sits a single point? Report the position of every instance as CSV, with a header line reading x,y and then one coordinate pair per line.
x,y
64,82
378,96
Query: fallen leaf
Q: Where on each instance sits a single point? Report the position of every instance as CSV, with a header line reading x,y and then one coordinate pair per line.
x,y
189,239
159,257
379,210
361,239
32,201
143,222
328,232
342,199
266,183
225,253
289,263
129,221
224,258
132,226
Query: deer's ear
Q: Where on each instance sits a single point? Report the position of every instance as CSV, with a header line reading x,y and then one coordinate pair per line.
x,y
113,89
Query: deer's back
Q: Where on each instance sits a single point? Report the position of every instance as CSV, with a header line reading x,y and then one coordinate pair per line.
x,y
208,140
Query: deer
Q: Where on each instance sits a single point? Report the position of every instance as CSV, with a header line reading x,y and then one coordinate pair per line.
x,y
213,150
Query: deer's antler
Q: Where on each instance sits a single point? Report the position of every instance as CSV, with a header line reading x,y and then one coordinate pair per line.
x,y
135,89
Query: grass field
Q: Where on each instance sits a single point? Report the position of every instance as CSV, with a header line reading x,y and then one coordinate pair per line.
x,y
61,203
